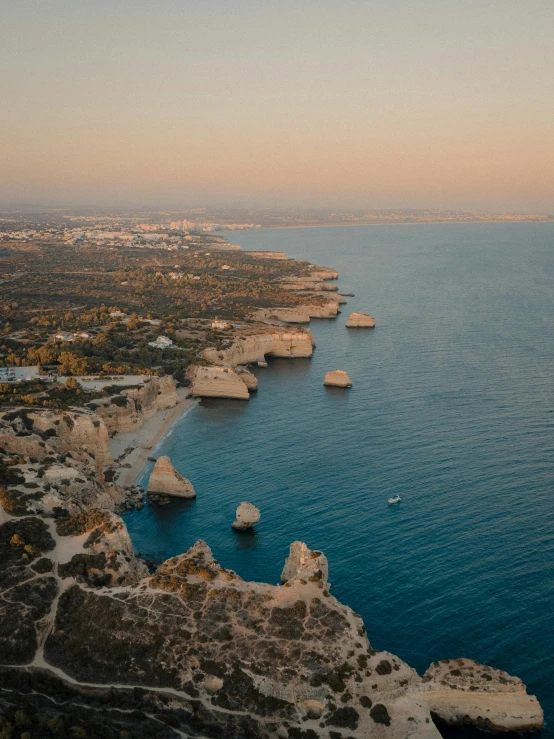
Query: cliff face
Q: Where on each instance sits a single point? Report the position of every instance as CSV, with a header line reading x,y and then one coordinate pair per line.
x,y
461,691
217,382
67,453
277,343
158,394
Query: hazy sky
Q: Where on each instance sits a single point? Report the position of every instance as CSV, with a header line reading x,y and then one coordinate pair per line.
x,y
364,103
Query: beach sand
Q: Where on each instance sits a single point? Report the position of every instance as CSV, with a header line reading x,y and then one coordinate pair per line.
x,y
134,448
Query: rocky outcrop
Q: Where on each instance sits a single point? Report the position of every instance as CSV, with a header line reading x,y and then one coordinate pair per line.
x,y
360,320
86,436
217,382
246,516
268,254
325,309
128,413
250,380
67,453
281,315
326,273
249,348
463,692
303,313
337,378
167,481
304,566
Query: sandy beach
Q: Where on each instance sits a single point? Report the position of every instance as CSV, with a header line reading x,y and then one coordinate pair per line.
x,y
134,448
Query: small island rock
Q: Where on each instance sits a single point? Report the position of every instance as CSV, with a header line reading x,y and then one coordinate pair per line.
x,y
360,320
338,378
167,481
246,516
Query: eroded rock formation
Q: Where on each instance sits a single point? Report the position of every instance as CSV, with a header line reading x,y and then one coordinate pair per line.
x,y
133,406
249,348
304,565
461,691
246,516
337,378
166,480
218,382
360,320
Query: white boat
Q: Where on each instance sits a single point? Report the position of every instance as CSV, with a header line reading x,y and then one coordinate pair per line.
x,y
394,499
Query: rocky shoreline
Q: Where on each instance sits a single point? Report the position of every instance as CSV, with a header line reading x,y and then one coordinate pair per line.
x,y
190,649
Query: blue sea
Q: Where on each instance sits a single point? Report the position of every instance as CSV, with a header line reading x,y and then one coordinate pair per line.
x,y
452,408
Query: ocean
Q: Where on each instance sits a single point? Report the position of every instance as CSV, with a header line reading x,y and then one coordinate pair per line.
x,y
452,408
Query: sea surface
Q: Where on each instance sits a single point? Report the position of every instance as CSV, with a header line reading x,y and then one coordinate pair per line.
x,y
452,408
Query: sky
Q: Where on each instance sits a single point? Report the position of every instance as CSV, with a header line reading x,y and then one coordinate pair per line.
x,y
350,103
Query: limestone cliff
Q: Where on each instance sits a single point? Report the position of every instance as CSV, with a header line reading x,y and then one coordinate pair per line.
x,y
281,315
67,453
157,394
249,348
217,382
303,313
461,691
250,380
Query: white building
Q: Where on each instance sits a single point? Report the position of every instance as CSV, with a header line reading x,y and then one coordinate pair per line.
x,y
162,342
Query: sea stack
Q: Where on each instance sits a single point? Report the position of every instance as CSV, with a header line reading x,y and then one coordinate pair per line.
x,y
304,565
246,516
360,320
165,480
338,378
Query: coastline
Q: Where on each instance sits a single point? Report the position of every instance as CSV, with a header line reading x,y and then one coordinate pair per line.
x,y
131,450
400,223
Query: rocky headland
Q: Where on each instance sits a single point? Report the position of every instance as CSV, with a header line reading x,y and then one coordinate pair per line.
x,y
254,343
217,382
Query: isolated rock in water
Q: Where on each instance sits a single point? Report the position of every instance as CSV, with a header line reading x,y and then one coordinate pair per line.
x,y
338,378
360,320
303,564
464,692
247,515
166,480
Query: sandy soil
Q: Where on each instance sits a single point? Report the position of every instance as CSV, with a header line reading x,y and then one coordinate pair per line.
x,y
134,448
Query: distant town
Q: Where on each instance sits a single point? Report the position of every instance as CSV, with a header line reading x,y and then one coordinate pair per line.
x,y
181,229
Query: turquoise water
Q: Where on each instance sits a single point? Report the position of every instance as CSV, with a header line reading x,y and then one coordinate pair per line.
x,y
452,408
